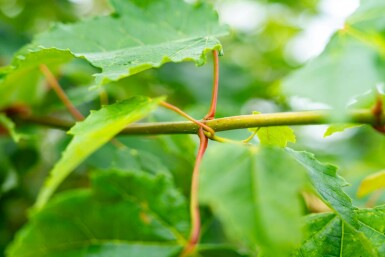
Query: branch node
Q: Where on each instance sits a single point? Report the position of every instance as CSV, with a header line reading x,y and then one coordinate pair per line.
x,y
377,111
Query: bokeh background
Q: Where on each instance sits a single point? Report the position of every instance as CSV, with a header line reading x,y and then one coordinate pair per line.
x,y
269,39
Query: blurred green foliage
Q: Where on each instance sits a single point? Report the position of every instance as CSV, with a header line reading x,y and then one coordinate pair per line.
x,y
255,62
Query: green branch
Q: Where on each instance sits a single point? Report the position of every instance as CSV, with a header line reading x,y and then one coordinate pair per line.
x,y
227,123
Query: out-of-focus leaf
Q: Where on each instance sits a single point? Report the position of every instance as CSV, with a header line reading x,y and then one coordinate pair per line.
x,y
27,17
327,235
123,214
124,158
351,63
20,83
217,251
96,130
24,158
255,194
372,183
369,17
346,68
140,35
10,126
8,176
328,185
176,152
339,128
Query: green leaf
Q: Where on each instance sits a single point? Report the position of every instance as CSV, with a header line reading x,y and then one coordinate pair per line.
x,y
328,185
361,42
217,251
328,235
124,214
125,158
21,81
8,176
89,135
372,183
255,194
331,78
276,136
339,128
8,124
369,17
140,35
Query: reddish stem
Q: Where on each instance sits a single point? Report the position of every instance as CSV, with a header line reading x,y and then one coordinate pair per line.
x,y
377,111
194,203
60,92
182,113
214,97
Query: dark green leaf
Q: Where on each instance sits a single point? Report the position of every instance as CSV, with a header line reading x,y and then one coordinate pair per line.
x,y
138,36
328,185
125,214
8,124
328,235
125,158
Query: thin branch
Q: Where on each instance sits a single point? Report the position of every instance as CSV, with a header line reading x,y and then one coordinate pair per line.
x,y
223,139
247,140
54,84
227,123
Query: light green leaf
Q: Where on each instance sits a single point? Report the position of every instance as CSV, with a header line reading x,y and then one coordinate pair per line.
x,y
21,81
96,130
255,194
328,185
340,81
140,35
124,214
351,63
8,124
372,183
276,136
328,235
369,17
339,128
